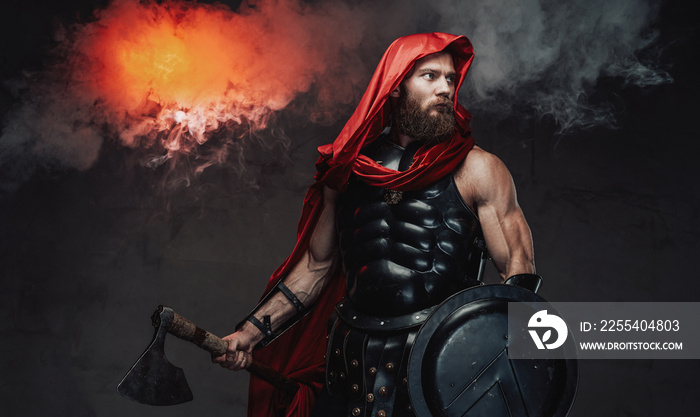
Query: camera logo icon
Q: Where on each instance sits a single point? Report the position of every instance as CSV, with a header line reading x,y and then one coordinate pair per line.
x,y
541,320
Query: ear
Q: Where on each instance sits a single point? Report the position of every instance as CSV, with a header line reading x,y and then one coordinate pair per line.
x,y
396,92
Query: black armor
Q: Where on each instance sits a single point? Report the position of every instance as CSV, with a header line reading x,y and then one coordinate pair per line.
x,y
406,251
403,254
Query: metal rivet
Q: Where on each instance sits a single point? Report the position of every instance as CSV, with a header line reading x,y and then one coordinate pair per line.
x,y
340,305
383,391
381,413
417,317
356,411
337,352
389,366
342,375
354,363
354,388
373,371
410,409
381,323
404,381
370,397
354,317
332,374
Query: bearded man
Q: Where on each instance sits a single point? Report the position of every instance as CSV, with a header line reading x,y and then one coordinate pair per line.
x,y
399,219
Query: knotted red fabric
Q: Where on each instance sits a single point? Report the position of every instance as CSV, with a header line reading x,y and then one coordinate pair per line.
x,y
299,352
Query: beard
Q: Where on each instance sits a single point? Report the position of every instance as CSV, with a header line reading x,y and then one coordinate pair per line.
x,y
413,121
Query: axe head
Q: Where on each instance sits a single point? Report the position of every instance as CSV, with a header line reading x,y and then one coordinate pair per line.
x,y
153,380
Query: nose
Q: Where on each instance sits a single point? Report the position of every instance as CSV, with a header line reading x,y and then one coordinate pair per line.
x,y
444,88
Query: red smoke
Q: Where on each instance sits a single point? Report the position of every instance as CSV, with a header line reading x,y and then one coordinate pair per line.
x,y
169,74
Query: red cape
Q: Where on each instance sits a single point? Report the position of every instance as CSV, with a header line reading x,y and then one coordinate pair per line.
x,y
299,352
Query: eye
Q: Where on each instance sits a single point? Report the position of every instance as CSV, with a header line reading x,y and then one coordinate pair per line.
x,y
429,76
451,79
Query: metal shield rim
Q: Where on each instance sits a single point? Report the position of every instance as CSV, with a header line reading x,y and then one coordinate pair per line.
x,y
483,292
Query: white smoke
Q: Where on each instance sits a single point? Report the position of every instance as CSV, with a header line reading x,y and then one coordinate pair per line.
x,y
50,129
549,53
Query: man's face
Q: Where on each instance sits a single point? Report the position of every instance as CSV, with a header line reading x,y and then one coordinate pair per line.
x,y
433,83
425,110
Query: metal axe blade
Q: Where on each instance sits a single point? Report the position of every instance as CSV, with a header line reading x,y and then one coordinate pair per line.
x,y
153,380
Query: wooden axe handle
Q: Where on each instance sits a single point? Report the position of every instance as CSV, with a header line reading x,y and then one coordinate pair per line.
x,y
186,330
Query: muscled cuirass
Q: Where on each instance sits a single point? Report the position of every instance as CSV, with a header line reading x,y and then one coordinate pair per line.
x,y
405,251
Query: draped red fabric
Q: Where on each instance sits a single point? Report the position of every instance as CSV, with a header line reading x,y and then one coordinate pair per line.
x,y
299,352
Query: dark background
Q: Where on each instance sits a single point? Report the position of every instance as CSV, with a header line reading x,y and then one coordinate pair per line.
x,y
86,256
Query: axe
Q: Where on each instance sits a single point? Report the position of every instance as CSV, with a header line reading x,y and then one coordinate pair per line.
x,y
153,380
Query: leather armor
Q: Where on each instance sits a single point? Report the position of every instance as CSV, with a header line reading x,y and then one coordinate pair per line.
x,y
403,254
406,251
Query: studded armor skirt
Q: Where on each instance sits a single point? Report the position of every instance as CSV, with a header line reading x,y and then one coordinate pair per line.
x,y
368,366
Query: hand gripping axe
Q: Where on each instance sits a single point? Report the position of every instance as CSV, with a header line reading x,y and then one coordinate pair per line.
x,y
154,380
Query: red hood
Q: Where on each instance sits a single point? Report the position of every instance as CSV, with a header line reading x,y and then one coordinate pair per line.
x,y
372,114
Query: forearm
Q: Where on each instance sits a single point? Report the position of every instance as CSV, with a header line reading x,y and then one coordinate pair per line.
x,y
521,264
521,259
305,281
511,246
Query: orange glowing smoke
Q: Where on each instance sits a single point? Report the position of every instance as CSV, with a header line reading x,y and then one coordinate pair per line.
x,y
170,74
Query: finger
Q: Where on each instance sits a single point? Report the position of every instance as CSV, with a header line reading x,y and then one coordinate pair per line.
x,y
233,366
240,357
242,361
247,359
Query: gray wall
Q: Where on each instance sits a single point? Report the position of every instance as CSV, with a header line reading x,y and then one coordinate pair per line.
x,y
86,256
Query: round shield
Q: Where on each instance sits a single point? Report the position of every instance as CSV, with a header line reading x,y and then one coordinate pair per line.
x,y
459,364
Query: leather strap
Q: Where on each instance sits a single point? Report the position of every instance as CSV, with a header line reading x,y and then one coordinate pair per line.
x,y
265,328
291,297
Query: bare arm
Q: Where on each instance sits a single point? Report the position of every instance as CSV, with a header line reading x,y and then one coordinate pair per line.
x,y
305,280
485,184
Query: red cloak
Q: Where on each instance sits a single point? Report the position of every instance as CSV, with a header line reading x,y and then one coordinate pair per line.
x,y
299,352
